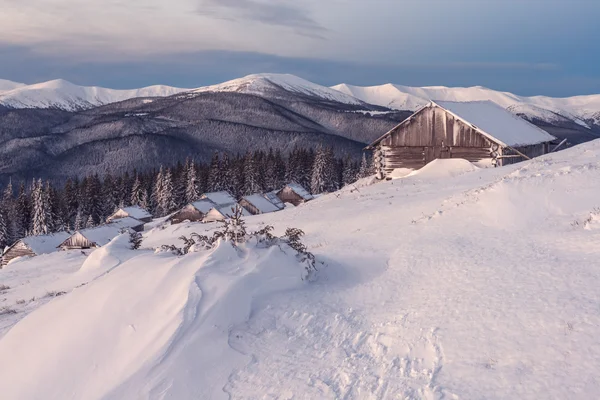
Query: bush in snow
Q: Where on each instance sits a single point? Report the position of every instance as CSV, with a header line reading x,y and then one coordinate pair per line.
x,y
135,240
292,238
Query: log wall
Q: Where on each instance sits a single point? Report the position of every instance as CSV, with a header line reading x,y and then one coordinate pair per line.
x,y
19,249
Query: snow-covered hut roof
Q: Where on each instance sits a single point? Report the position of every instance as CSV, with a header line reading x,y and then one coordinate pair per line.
x,y
300,191
261,203
273,198
45,244
136,212
226,210
219,198
127,222
493,120
101,235
203,206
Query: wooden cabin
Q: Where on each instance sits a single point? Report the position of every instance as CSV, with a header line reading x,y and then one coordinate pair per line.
x,y
257,204
32,246
133,212
219,198
481,132
194,212
221,213
99,236
294,194
272,197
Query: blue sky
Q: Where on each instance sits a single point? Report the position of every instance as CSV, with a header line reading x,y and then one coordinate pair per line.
x,y
529,47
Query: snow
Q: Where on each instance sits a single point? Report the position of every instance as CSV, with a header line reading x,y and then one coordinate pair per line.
x,y
5,85
261,84
45,244
579,109
203,206
103,234
261,203
219,198
497,122
480,285
68,96
221,212
136,212
443,168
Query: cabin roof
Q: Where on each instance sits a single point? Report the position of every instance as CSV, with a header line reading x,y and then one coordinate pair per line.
x,y
489,119
219,198
136,212
226,210
103,234
300,191
494,120
273,198
43,244
261,203
203,206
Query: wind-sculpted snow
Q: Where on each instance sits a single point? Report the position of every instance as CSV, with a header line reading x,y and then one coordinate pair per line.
x,y
478,283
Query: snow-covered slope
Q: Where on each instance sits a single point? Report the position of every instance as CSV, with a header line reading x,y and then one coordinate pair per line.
x,y
479,283
264,84
577,109
5,85
68,96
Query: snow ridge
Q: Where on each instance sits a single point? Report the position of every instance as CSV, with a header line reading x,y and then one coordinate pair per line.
x,y
579,109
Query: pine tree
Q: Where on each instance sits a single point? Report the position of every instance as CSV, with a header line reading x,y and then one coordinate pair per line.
x,y
8,204
365,168
23,212
136,192
215,177
78,223
157,193
251,175
90,222
165,197
4,235
70,203
191,182
40,214
144,200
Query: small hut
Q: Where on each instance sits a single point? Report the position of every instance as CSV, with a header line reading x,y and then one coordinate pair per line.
x,y
219,198
272,197
193,212
134,212
481,132
33,246
221,213
99,236
257,204
295,194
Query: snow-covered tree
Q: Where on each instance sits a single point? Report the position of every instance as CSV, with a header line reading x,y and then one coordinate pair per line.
x,y
157,192
365,168
78,223
136,192
191,182
23,219
251,175
90,222
323,172
40,214
215,174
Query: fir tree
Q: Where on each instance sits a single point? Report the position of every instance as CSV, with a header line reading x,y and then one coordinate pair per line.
x,y
78,223
166,201
23,212
157,193
90,222
4,235
365,168
40,214
191,183
136,192
215,177
9,207
251,175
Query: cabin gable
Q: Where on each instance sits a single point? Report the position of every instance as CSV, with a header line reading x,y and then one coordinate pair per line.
x,y
77,241
19,249
187,213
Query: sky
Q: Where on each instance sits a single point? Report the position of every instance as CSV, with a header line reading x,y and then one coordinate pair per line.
x,y
528,47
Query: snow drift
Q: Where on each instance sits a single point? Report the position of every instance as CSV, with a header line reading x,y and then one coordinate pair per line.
x,y
482,284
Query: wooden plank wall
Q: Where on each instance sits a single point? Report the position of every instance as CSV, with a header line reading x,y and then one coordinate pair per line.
x,y
19,249
187,213
430,134
77,241
532,151
287,195
249,207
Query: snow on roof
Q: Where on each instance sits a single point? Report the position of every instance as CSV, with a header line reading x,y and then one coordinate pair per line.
x,y
103,234
273,198
300,191
492,119
261,203
203,206
219,198
45,244
227,210
136,212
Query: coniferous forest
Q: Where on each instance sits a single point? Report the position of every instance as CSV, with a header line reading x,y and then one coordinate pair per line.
x,y
39,207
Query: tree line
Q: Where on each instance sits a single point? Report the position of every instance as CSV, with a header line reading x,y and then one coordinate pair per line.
x,y
40,208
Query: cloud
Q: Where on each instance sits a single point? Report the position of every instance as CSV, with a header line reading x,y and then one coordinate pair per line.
x,y
270,12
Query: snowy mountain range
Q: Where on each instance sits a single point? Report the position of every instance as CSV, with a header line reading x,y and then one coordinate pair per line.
x,y
60,94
